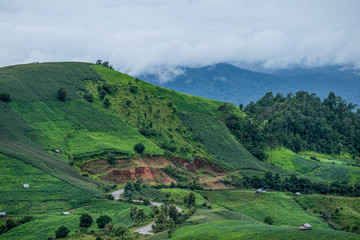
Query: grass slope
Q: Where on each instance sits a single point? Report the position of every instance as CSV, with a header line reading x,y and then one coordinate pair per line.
x,y
46,192
248,230
44,226
325,167
278,205
31,82
219,141
77,128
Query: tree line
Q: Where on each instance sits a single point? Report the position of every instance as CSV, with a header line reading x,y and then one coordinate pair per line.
x,y
300,122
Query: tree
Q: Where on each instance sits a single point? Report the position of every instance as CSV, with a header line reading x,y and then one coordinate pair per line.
x,y
139,148
241,106
85,221
102,94
4,96
88,97
107,103
10,223
111,159
140,215
62,94
133,211
173,213
61,232
120,231
103,220
268,220
99,62
189,199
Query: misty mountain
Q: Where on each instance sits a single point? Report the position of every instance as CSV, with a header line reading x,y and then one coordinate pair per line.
x,y
229,83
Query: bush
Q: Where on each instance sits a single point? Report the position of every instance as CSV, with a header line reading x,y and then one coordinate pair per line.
x,y
107,103
62,94
88,97
102,94
268,220
103,220
61,232
108,88
4,97
110,197
139,148
111,159
85,221
133,89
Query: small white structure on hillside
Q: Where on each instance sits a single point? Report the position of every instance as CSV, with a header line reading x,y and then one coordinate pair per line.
x,y
298,193
305,226
2,214
57,151
260,190
26,186
65,213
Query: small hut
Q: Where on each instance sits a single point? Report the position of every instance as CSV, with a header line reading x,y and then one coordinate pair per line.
x,y
260,190
65,213
26,186
305,226
57,151
298,193
2,214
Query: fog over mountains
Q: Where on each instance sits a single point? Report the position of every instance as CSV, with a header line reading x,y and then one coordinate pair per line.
x,y
229,83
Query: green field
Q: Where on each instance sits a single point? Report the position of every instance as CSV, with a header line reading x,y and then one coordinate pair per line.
x,y
46,193
44,226
278,205
249,230
77,128
218,140
325,167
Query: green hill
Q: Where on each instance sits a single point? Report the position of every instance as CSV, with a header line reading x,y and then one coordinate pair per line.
x,y
65,148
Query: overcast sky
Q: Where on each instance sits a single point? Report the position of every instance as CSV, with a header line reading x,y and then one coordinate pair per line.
x,y
142,35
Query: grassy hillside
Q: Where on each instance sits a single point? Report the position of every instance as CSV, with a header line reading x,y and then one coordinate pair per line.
x,y
341,212
218,140
248,230
320,166
43,227
46,192
277,205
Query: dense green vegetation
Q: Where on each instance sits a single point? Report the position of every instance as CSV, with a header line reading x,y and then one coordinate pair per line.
x,y
303,122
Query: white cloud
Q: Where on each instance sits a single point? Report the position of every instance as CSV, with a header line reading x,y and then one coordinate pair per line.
x,y
137,36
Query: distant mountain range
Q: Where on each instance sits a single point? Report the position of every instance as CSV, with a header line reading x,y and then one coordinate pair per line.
x,y
229,83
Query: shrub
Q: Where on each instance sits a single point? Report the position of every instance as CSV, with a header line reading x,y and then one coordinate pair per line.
x,y
88,97
103,220
85,221
102,94
108,88
133,89
61,232
139,148
4,97
111,159
268,220
110,197
107,103
62,94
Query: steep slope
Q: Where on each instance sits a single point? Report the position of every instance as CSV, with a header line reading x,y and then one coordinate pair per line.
x,y
87,132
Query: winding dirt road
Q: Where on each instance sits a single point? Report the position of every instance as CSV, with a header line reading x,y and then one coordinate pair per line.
x,y
147,228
